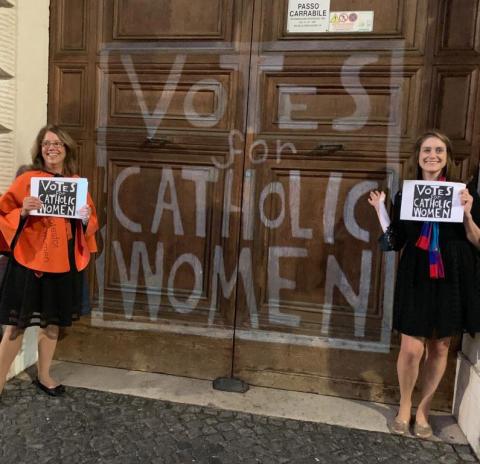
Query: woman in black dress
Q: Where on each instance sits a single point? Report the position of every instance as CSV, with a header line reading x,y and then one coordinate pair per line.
x,y
44,279
437,292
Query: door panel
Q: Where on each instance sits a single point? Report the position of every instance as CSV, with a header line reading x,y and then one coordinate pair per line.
x,y
458,24
72,87
356,98
140,97
312,227
455,99
395,22
71,32
162,19
180,195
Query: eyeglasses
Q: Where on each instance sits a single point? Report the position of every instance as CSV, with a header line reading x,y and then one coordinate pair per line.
x,y
56,144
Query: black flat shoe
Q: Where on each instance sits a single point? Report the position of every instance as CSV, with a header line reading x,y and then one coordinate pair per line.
x,y
59,390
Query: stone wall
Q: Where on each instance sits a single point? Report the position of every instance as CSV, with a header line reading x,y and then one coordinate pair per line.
x,y
466,406
23,102
8,35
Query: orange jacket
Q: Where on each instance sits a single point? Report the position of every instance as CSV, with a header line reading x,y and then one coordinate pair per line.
x,y
42,244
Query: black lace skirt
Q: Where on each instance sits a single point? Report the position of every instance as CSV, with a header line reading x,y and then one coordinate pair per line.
x,y
52,299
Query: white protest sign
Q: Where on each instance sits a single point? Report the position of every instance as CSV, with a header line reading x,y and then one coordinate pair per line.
x,y
433,201
61,196
308,16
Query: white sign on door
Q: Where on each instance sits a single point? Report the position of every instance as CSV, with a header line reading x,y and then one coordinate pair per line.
x,y
308,16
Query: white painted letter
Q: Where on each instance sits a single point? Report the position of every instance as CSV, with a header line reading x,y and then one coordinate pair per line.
x,y
349,209
272,187
122,218
153,281
352,84
200,177
191,302
232,151
245,266
167,181
210,120
167,93
294,200
285,108
330,208
359,303
276,283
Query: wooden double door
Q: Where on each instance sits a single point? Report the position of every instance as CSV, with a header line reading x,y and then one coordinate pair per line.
x,y
231,161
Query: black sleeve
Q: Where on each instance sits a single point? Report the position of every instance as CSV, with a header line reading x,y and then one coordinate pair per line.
x,y
23,220
476,203
394,238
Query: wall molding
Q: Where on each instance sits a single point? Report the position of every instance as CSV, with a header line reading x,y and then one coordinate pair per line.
x,y
8,39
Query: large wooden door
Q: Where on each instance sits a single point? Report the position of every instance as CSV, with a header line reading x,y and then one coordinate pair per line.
x,y
331,117
152,90
231,161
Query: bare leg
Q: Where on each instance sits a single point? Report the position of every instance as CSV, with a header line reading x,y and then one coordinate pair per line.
x,y
9,348
47,342
432,373
411,352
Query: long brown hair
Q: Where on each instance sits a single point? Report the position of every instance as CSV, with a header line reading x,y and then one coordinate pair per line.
x,y
69,164
449,171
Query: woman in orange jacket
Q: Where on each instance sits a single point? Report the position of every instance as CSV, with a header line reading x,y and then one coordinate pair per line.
x,y
44,282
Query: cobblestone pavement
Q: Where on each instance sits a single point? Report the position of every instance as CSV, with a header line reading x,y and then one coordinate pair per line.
x,y
89,426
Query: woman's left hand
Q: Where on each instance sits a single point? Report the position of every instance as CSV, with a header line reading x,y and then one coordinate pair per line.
x,y
85,212
466,200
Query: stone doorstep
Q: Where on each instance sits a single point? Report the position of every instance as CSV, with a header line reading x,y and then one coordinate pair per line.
x,y
310,407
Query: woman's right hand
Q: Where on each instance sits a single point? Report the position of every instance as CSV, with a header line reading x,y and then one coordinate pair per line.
x,y
376,199
30,204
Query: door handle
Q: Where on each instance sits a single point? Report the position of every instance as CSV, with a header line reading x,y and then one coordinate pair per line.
x,y
326,149
157,141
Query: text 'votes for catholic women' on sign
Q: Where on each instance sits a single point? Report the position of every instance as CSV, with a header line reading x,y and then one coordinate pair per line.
x,y
62,196
431,201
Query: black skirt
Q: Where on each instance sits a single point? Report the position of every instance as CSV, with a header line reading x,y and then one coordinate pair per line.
x,y
52,299
436,308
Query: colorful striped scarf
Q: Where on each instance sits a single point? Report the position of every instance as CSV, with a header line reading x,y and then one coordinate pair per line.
x,y
428,240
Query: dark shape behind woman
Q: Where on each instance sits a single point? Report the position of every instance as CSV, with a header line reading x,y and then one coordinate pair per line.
x,y
437,293
44,279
